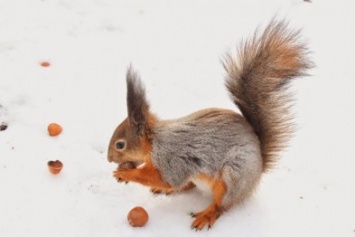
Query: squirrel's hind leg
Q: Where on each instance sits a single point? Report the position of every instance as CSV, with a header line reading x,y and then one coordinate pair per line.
x,y
210,214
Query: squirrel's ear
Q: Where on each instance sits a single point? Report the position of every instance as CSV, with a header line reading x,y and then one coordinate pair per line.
x,y
137,105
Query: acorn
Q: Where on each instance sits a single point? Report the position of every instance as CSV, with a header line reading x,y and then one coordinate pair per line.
x,y
137,217
55,166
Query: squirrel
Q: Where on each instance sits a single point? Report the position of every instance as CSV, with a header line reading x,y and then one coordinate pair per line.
x,y
226,149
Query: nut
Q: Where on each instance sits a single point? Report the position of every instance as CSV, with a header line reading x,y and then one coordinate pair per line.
x,y
127,165
54,129
137,217
3,126
45,64
55,166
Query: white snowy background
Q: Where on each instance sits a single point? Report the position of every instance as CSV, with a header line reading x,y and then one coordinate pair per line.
x,y
176,45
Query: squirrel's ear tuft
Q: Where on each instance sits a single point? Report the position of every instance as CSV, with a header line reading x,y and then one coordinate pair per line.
x,y
137,104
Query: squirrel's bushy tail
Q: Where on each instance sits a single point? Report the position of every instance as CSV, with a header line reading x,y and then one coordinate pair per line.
x,y
258,80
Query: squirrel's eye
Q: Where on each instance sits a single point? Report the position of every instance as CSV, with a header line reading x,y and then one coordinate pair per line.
x,y
120,145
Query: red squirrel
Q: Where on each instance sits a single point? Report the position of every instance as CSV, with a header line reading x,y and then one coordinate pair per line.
x,y
227,150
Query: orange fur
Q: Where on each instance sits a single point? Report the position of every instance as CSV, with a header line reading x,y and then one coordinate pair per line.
x,y
189,186
147,175
210,214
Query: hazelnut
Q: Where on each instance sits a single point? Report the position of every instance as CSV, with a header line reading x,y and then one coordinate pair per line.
x,y
55,166
3,126
127,165
45,64
54,129
137,217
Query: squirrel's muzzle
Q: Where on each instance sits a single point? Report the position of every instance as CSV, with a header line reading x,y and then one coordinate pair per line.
x,y
110,156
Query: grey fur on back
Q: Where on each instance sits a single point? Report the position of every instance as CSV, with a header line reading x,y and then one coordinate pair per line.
x,y
216,142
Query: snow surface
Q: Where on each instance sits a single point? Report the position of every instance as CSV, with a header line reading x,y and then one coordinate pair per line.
x,y
177,47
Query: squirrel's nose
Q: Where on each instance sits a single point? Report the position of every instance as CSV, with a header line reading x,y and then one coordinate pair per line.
x,y
110,158
110,155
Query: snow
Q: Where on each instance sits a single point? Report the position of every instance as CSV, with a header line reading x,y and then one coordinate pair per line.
x,y
176,46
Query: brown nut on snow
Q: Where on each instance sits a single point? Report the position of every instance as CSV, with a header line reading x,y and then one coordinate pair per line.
x,y
54,129
127,165
3,126
55,166
137,217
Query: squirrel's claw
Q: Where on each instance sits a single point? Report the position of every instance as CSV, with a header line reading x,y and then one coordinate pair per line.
x,y
121,181
156,191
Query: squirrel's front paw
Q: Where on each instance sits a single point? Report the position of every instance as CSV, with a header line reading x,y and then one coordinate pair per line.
x,y
120,176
